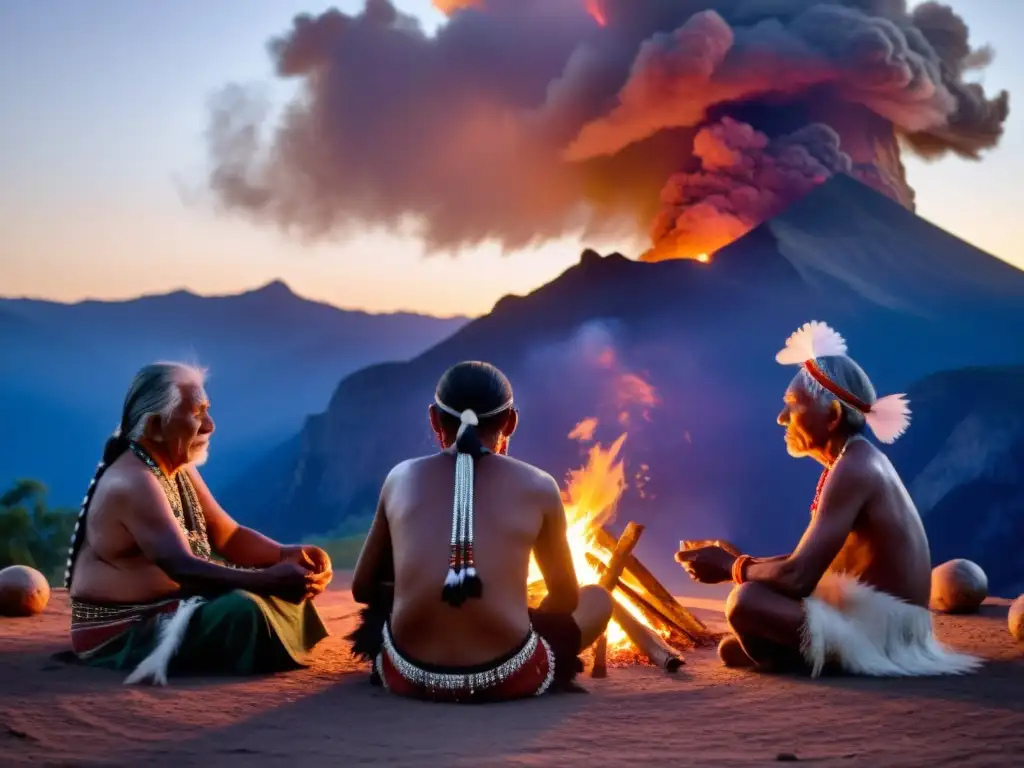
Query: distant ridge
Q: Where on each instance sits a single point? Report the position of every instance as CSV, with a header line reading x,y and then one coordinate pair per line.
x,y
274,290
705,336
273,357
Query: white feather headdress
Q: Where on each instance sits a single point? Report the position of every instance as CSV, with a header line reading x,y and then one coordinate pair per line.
x,y
888,417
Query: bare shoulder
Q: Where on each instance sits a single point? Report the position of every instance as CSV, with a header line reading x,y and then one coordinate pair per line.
x,y
863,465
533,479
404,469
402,473
129,485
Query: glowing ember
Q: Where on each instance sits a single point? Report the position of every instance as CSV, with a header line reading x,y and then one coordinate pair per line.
x,y
590,501
584,431
597,12
668,250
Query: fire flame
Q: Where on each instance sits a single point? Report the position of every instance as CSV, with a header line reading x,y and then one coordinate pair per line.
x,y
668,251
590,499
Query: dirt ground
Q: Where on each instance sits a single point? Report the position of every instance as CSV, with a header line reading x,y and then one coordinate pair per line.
x,y
55,714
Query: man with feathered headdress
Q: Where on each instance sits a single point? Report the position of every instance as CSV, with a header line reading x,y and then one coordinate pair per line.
x,y
854,593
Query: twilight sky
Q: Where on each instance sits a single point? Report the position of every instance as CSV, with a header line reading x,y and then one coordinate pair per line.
x,y
103,106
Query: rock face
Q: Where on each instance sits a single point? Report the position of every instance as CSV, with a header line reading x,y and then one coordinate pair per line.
x,y
909,298
963,462
23,591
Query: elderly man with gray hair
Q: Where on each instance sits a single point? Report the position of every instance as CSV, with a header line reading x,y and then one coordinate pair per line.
x,y
853,596
161,579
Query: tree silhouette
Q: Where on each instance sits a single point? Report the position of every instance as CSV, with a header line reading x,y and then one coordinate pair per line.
x,y
33,534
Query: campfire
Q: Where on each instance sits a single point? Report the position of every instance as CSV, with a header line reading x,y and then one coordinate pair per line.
x,y
648,623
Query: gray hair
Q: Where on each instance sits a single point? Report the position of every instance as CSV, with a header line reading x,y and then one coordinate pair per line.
x,y
848,375
156,391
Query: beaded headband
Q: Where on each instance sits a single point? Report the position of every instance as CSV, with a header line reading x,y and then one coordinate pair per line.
x,y
888,417
462,581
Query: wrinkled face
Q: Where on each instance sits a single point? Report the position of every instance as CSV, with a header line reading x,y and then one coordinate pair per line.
x,y
185,436
808,423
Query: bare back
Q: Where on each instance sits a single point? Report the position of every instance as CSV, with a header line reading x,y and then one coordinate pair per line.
x,y
111,567
888,546
514,506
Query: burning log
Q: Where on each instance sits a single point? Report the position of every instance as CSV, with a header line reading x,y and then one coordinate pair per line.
x,y
651,609
660,653
666,602
621,550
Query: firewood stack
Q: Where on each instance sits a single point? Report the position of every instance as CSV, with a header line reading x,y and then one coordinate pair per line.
x,y
630,582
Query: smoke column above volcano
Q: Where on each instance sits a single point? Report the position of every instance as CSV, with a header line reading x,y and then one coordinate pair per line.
x,y
522,121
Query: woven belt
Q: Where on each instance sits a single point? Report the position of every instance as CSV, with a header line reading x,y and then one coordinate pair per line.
x,y
465,681
83,611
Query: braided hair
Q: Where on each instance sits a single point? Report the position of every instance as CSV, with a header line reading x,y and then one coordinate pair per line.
x,y
477,395
155,391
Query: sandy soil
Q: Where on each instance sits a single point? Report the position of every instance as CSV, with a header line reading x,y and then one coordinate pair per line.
x,y
54,714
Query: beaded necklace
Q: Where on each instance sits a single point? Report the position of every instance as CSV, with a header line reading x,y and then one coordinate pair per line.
x,y
825,473
184,503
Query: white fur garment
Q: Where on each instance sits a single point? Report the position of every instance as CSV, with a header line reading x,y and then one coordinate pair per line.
x,y
172,631
869,632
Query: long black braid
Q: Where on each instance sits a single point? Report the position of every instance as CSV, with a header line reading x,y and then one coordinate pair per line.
x,y
116,444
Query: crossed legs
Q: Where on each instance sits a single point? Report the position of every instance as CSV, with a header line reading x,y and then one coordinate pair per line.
x,y
766,629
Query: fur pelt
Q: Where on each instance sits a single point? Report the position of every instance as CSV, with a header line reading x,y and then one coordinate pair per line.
x,y
368,636
172,632
868,632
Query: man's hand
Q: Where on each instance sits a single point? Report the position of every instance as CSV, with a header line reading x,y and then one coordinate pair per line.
x,y
314,560
708,565
308,556
293,582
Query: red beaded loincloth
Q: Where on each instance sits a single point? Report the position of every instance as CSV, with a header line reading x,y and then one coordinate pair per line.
x,y
527,671
92,626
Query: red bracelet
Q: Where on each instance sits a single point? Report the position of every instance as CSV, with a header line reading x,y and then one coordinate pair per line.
x,y
738,568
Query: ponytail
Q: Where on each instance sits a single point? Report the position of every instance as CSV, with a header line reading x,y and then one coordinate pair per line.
x,y
467,439
462,581
116,444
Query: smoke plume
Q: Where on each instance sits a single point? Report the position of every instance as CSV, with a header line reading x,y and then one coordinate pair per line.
x,y
521,121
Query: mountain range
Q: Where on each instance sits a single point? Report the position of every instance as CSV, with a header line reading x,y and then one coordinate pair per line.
x,y
923,312
273,357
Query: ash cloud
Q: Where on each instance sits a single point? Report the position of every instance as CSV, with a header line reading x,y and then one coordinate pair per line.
x,y
521,121
745,178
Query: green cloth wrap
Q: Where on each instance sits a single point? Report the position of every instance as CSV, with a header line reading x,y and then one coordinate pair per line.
x,y
239,633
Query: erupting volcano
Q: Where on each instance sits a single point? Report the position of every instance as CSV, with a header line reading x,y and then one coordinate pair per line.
x,y
519,121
